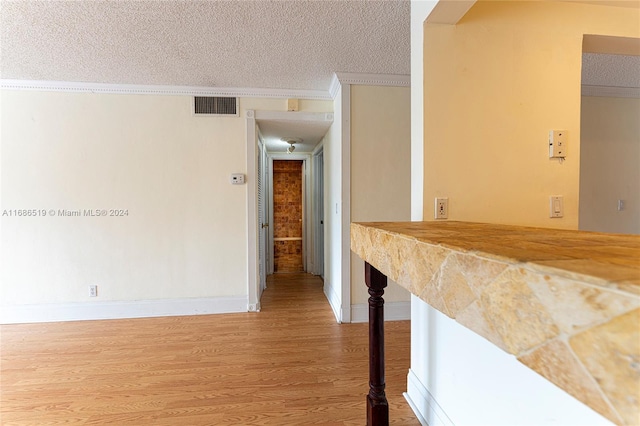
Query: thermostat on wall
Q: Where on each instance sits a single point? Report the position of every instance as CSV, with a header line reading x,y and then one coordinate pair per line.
x,y
237,178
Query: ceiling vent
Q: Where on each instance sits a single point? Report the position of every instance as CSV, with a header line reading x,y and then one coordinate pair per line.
x,y
215,105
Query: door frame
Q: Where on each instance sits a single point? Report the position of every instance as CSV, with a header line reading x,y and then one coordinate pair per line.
x,y
306,199
263,215
253,283
317,204
253,265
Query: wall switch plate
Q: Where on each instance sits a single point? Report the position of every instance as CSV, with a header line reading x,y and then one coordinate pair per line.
x,y
93,291
237,179
441,208
557,143
556,206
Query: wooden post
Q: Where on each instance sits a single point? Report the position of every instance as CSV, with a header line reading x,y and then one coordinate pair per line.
x,y
377,405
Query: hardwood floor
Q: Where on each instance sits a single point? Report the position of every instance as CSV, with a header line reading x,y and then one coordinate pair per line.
x,y
290,364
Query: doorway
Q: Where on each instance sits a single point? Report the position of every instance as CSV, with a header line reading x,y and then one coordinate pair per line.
x,y
318,213
288,216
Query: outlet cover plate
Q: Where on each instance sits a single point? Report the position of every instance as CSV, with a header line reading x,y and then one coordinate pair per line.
x,y
441,208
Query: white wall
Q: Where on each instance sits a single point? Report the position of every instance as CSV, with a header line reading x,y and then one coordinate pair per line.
x,y
380,173
332,210
610,164
181,248
459,378
420,9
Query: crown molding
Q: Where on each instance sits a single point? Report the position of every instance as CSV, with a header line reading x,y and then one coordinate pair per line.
x,y
611,91
135,89
403,80
334,86
293,116
340,78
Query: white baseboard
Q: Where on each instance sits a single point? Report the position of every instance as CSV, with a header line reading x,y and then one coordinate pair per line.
x,y
334,300
117,310
393,311
423,404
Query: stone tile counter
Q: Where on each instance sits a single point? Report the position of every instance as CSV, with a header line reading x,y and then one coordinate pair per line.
x,y
565,303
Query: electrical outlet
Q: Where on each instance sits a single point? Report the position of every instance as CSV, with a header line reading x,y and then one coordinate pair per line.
x,y
557,143
93,291
442,208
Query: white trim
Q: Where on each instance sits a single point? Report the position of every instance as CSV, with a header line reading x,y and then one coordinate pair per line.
x,y
253,284
611,91
419,12
317,208
272,261
334,87
138,89
120,309
304,156
415,410
345,212
393,311
294,116
343,78
423,404
320,145
402,80
334,300
241,92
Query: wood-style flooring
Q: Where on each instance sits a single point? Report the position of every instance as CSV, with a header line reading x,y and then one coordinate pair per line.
x,y
290,364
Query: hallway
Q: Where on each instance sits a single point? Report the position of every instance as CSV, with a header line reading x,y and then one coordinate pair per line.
x,y
290,364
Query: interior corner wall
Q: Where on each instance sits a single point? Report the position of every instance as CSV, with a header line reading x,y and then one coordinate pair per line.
x,y
380,170
420,9
495,84
610,165
332,155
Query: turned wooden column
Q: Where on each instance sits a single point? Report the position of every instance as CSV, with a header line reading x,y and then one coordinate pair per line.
x,y
377,405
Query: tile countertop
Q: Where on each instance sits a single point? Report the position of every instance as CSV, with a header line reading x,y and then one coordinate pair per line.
x,y
565,303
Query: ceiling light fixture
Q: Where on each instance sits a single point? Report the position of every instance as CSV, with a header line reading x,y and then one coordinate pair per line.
x,y
291,142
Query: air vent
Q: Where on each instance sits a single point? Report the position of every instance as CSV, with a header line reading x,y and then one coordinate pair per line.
x,y
215,105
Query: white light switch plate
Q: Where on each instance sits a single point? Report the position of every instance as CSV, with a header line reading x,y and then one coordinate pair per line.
x,y
556,206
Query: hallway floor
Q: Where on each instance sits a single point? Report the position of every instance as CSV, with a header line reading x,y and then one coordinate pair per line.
x,y
290,364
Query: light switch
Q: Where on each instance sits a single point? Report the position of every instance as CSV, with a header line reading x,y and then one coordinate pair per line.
x,y
556,207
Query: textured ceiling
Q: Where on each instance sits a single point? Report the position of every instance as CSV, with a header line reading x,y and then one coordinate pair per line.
x,y
241,44
600,69
263,44
309,131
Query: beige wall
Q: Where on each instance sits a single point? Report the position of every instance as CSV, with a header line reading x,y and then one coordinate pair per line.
x,y
610,164
185,234
380,168
495,84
